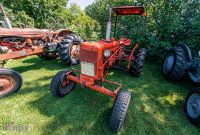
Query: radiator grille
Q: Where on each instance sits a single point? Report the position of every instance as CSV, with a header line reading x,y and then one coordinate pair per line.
x,y
88,56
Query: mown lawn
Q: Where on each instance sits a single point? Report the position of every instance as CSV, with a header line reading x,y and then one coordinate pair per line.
x,y
156,107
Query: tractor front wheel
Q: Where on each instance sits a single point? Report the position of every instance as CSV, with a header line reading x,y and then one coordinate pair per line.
x,y
119,111
138,63
192,106
60,85
10,82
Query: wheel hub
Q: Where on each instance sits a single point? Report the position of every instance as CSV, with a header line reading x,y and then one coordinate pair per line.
x,y
2,85
5,84
74,51
193,106
168,63
65,83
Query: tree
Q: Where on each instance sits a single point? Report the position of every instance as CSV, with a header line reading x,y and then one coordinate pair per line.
x,y
46,13
167,24
82,24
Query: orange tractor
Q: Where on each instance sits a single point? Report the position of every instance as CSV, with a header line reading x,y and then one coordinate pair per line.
x,y
17,43
96,58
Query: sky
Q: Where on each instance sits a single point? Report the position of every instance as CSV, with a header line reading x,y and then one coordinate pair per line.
x,y
82,3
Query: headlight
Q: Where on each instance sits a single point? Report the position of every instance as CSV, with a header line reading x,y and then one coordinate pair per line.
x,y
106,53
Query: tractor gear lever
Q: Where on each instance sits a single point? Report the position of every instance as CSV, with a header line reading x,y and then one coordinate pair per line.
x,y
6,20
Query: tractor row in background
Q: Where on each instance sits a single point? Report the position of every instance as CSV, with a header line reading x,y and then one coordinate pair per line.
x,y
180,63
17,43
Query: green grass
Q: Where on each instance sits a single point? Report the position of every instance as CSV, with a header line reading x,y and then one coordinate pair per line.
x,y
156,107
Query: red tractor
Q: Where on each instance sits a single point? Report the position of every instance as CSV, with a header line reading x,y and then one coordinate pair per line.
x,y
17,43
96,58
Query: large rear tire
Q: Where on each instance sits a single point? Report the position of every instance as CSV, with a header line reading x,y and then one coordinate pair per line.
x,y
10,82
138,63
192,106
174,64
60,86
119,111
69,49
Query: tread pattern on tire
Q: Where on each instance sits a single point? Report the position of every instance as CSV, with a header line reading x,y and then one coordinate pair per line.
x,y
63,48
178,70
56,81
139,62
16,76
119,111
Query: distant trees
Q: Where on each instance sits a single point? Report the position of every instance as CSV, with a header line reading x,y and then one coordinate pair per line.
x,y
51,14
167,24
81,23
45,13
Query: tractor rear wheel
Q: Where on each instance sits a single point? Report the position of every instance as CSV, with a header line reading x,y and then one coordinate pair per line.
x,y
138,63
174,64
10,82
192,106
60,85
119,111
69,49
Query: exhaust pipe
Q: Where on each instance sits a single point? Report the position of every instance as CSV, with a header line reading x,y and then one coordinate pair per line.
x,y
6,19
109,26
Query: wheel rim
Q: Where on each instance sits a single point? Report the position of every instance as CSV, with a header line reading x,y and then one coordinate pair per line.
x,y
74,51
66,85
193,106
6,84
168,63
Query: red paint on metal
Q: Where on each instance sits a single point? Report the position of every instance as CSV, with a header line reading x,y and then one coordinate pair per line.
x,y
21,53
131,57
31,41
129,10
100,89
6,84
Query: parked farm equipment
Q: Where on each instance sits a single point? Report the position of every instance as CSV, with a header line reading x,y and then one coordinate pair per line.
x,y
17,43
179,63
95,58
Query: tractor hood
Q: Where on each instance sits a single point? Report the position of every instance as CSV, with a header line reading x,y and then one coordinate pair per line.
x,y
26,32
100,45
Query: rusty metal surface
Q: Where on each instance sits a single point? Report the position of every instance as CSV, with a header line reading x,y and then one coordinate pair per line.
x,y
21,53
26,32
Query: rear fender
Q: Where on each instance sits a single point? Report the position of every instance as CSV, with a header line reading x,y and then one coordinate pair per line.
x,y
63,32
187,51
125,41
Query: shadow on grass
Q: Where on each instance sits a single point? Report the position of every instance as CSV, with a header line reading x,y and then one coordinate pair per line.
x,y
156,106
82,111
35,63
